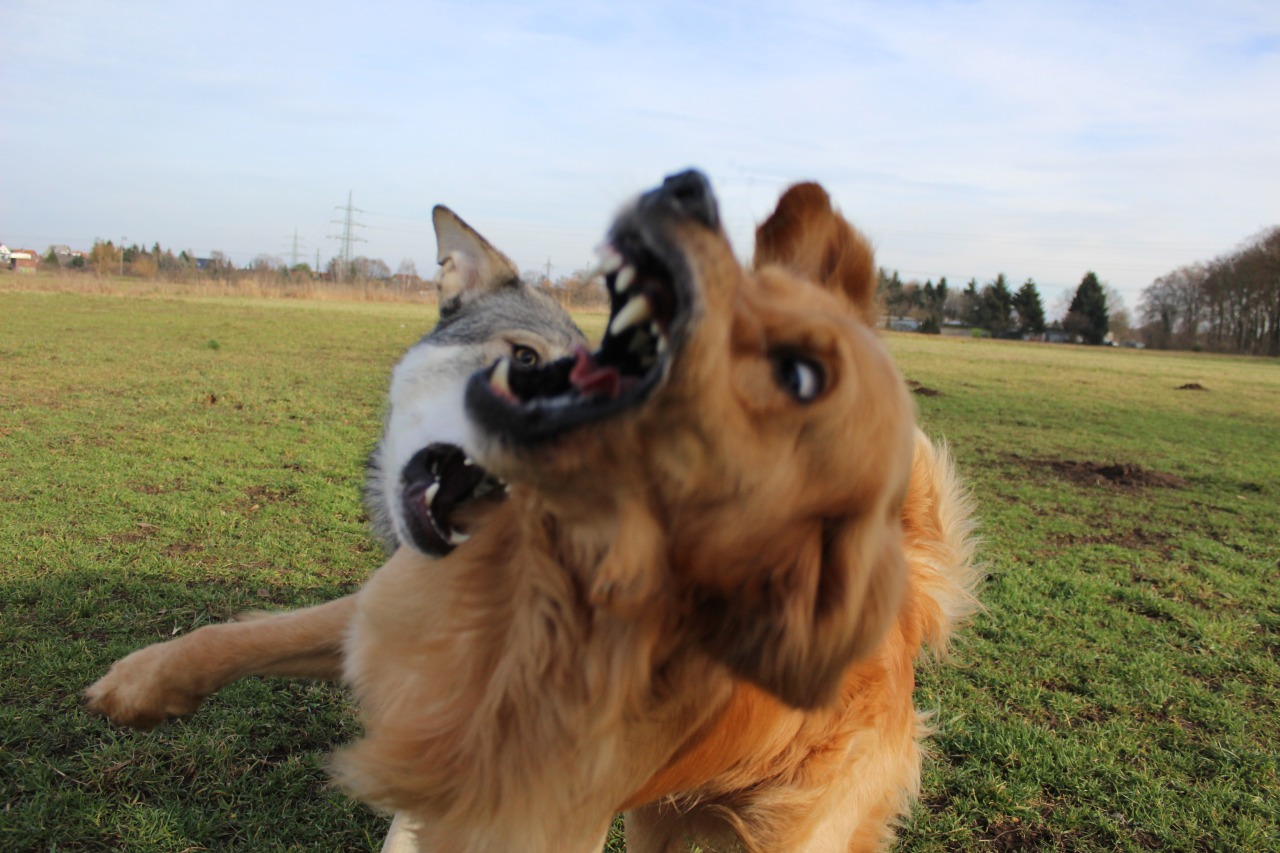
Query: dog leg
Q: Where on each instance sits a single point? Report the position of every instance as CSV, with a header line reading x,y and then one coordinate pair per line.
x,y
401,837
171,679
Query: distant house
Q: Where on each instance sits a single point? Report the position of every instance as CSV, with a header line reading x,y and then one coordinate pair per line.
x,y
4,256
904,324
23,260
65,254
1058,336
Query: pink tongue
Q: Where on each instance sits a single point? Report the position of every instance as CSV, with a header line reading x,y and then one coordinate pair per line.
x,y
590,379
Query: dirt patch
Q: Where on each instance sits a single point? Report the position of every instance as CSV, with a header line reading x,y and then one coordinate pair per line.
x,y
270,494
1115,474
1135,540
142,531
1013,834
922,390
1191,386
178,550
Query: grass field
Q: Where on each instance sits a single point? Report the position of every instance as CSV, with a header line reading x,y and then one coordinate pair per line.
x,y
166,462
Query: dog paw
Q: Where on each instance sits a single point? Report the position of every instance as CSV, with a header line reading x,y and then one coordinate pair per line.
x,y
143,690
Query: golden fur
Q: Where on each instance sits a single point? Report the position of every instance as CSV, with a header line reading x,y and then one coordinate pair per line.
x,y
704,612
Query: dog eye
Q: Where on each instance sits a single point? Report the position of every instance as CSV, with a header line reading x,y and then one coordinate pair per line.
x,y
802,378
524,356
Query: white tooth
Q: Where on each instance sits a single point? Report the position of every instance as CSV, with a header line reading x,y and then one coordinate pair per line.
x,y
431,493
456,538
626,278
499,381
610,260
466,460
662,343
636,311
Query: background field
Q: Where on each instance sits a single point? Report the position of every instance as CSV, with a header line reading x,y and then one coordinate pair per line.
x,y
166,462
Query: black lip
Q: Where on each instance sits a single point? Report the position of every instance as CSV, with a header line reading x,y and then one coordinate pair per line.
x,y
541,411
458,482
542,404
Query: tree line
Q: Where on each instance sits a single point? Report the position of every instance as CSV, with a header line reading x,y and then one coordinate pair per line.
x,y
1229,304
997,309
106,258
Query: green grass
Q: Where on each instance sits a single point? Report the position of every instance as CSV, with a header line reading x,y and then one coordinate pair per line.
x,y
167,462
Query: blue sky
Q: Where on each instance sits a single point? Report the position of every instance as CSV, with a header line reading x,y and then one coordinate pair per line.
x,y
965,138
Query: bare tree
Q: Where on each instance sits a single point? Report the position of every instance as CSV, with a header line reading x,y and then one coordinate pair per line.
x,y
1117,314
1229,304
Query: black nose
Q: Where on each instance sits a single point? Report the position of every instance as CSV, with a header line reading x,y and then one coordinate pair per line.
x,y
687,194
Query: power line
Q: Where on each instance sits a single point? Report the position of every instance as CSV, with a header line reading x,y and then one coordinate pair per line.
x,y
347,237
297,244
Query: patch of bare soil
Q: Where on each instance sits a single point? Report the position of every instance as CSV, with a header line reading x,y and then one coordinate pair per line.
x,y
142,530
1191,386
1013,834
922,390
1115,474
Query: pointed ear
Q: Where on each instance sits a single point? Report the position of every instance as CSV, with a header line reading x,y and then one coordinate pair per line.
x,y
808,237
469,266
829,608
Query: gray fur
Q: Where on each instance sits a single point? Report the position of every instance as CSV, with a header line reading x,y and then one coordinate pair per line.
x,y
471,325
521,307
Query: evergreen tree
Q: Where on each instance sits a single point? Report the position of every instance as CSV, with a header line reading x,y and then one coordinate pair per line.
x,y
971,304
1087,316
996,310
1030,309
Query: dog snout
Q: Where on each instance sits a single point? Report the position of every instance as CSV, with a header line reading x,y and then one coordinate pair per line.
x,y
687,194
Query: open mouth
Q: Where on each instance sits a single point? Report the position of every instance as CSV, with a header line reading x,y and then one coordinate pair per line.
x,y
437,482
649,293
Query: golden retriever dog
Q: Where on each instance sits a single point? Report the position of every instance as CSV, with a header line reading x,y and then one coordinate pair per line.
x,y
725,545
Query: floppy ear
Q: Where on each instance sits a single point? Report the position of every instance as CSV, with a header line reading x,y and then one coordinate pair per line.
x,y
469,266
825,610
808,237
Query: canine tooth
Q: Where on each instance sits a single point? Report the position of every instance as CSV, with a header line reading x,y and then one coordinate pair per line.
x,y
662,343
610,259
626,278
431,493
636,311
499,381
466,460
457,538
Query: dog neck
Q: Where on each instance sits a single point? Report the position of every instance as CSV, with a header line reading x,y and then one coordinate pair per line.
x,y
507,678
